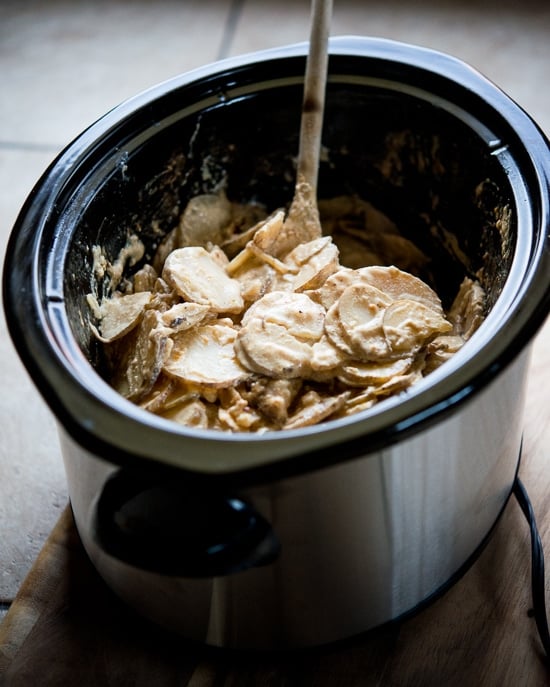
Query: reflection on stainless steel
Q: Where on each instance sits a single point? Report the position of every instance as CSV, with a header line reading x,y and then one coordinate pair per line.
x,y
362,542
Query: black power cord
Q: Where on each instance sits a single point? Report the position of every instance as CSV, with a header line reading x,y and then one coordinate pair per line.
x,y
537,567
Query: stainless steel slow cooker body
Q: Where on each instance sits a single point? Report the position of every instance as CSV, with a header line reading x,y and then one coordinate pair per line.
x,y
306,536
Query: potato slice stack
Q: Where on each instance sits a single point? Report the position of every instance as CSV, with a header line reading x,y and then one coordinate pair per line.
x,y
266,330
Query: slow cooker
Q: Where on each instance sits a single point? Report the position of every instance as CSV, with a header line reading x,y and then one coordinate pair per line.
x,y
297,537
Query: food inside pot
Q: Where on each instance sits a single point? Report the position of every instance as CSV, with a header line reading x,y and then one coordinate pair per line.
x,y
177,195
241,323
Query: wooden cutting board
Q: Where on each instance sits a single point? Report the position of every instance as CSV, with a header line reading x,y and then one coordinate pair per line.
x,y
66,628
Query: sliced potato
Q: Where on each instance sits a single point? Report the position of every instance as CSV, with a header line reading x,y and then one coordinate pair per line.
x,y
373,374
409,324
400,285
204,220
143,358
182,316
316,265
199,278
205,355
120,315
314,411
468,308
278,333
191,413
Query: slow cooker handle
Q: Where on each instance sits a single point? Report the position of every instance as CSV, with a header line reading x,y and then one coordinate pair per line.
x,y
172,528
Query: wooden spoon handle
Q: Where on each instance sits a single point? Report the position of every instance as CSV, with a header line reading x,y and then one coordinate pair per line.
x,y
314,93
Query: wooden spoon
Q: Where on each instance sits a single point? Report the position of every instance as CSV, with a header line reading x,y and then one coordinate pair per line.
x,y
302,222
313,104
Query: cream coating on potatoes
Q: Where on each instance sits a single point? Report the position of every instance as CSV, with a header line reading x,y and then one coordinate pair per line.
x,y
264,328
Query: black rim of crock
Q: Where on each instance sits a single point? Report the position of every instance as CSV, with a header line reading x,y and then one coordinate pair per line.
x,y
116,430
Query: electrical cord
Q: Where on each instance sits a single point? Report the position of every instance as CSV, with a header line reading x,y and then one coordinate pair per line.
x,y
537,567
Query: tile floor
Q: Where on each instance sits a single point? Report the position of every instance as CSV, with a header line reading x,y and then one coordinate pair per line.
x,y
65,62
